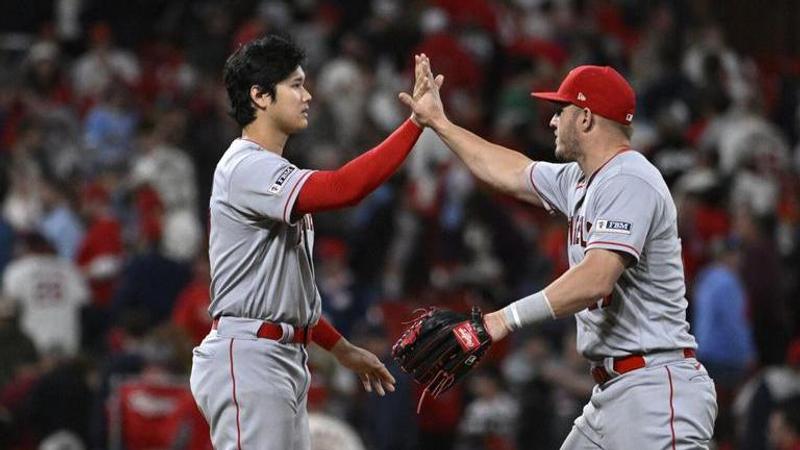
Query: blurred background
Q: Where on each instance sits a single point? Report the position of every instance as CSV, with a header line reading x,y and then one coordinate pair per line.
x,y
113,116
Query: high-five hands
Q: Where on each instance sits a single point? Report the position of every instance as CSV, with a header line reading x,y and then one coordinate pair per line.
x,y
425,102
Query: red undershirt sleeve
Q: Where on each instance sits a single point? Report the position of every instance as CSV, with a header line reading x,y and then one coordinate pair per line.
x,y
331,189
324,334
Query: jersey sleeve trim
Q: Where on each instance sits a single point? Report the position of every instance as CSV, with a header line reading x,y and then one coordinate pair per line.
x,y
617,246
292,198
548,206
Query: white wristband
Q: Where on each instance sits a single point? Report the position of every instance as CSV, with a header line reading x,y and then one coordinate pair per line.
x,y
529,310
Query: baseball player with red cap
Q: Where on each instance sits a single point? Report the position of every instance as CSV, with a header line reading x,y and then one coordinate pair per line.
x,y
625,283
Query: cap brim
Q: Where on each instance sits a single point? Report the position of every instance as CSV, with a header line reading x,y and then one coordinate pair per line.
x,y
551,97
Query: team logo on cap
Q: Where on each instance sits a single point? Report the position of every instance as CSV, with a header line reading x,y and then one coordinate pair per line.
x,y
628,117
581,97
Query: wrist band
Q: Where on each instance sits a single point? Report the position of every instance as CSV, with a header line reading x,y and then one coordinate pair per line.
x,y
529,310
325,334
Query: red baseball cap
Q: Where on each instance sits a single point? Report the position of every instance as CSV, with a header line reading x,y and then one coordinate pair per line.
x,y
599,88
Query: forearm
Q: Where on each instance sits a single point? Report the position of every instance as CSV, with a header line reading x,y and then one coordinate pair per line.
x,y
578,288
325,190
495,165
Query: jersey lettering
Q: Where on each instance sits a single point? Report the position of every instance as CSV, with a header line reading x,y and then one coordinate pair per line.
x,y
578,229
48,292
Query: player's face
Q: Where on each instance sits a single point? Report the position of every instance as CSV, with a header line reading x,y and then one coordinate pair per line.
x,y
290,109
565,128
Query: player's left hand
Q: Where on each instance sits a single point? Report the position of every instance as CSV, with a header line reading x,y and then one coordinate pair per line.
x,y
425,103
370,370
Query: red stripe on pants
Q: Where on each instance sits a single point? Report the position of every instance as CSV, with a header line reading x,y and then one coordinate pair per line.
x,y
235,402
671,408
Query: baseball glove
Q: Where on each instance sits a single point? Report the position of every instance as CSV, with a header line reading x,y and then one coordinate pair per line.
x,y
440,347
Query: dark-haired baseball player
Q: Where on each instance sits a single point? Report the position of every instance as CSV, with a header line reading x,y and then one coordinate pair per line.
x,y
249,375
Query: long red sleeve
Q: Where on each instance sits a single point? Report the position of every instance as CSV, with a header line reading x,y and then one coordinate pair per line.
x,y
325,335
331,189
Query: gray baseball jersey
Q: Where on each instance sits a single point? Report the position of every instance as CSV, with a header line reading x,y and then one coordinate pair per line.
x,y
624,206
253,391
261,263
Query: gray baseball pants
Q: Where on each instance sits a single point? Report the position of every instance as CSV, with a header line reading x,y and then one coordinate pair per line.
x,y
667,405
252,391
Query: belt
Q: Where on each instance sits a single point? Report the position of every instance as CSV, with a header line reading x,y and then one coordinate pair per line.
x,y
276,332
626,364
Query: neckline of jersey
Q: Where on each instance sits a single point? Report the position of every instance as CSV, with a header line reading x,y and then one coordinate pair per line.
x,y
256,144
594,174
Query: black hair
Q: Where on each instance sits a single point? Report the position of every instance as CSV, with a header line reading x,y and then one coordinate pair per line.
x,y
263,62
35,242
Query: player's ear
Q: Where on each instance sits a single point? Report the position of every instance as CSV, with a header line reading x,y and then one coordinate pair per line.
x,y
260,97
587,119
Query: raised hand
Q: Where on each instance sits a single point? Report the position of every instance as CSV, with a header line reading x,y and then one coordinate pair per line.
x,y
425,103
420,81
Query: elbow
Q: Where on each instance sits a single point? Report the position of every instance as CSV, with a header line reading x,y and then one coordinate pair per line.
x,y
598,289
600,270
605,288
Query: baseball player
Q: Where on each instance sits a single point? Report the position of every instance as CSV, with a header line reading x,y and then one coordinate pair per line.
x,y
249,375
625,283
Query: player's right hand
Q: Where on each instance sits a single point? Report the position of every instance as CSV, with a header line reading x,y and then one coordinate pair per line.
x,y
495,323
425,103
370,370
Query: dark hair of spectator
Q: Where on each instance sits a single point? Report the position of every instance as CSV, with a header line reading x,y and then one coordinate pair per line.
x,y
263,62
36,243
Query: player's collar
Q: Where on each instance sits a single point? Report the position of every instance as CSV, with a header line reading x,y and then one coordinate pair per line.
x,y
594,174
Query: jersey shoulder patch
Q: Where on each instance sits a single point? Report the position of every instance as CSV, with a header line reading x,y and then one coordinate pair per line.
x,y
277,186
612,226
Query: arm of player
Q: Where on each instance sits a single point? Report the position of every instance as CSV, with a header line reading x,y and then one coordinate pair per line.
x,y
578,288
495,165
498,166
370,369
332,189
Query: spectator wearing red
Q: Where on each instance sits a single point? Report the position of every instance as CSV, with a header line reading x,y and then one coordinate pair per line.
x,y
191,308
100,254
452,59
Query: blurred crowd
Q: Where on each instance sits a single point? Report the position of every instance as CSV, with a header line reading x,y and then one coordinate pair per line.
x,y
113,116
